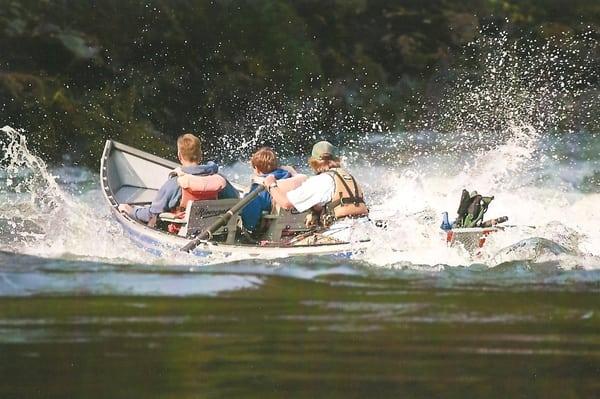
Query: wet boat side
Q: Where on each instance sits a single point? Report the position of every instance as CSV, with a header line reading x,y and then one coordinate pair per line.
x,y
158,242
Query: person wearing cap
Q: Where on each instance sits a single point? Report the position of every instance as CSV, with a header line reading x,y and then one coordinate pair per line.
x,y
333,195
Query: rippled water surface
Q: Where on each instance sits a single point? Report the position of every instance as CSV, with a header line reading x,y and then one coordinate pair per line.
x,y
298,327
85,313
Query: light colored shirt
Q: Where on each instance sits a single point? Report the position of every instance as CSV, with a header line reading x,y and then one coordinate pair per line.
x,y
317,190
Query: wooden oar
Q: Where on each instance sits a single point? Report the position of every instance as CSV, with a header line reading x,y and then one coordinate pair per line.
x,y
222,220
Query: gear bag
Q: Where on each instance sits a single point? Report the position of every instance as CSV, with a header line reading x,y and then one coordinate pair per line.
x,y
471,209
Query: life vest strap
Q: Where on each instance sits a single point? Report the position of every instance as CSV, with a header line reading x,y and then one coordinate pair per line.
x,y
354,196
189,195
346,186
348,201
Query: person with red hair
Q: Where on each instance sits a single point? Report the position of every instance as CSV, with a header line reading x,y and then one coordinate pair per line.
x,y
265,163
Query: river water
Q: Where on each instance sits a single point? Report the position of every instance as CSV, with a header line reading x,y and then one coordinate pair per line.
x,y
85,313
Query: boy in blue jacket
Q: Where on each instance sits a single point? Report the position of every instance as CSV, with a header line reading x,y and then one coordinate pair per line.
x,y
189,152
264,163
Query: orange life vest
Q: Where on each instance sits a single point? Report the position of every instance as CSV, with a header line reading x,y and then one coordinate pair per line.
x,y
195,188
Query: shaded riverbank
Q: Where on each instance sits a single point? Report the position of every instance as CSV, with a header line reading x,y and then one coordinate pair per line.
x,y
73,75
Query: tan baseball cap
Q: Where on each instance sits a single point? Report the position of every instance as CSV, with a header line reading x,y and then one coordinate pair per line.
x,y
322,148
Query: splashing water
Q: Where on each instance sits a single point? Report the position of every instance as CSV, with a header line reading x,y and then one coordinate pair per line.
x,y
503,84
496,132
293,127
38,217
45,219
504,131
501,141
77,296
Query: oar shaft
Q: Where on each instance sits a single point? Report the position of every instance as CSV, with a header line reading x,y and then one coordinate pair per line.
x,y
222,220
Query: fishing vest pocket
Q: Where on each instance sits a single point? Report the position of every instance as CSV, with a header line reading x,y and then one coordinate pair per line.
x,y
348,200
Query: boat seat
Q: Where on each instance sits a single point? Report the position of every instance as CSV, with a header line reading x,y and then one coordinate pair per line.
x,y
171,217
284,223
135,195
199,215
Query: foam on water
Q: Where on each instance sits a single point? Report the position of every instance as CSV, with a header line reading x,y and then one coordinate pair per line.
x,y
40,217
44,218
495,134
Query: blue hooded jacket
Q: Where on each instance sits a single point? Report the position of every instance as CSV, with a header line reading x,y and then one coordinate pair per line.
x,y
169,195
252,213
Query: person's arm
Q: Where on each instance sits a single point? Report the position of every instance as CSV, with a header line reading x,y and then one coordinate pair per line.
x,y
279,196
316,190
291,183
167,198
290,169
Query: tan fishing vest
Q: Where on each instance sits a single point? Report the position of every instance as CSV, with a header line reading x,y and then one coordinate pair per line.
x,y
348,199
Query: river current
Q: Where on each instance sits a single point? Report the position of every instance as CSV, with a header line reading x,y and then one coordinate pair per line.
x,y
85,313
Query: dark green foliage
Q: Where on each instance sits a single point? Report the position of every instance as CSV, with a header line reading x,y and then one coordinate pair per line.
x,y
73,73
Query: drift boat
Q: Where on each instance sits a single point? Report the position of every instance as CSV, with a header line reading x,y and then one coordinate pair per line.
x,y
131,176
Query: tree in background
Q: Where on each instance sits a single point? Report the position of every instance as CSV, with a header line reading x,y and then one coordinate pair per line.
x,y
73,73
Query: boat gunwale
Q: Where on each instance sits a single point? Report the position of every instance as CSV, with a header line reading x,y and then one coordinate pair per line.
x,y
151,236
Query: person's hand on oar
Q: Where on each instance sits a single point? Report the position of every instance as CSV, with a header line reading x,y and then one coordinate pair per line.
x,y
222,220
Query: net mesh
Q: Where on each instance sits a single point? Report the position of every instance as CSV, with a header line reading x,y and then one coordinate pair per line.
x,y
470,240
